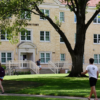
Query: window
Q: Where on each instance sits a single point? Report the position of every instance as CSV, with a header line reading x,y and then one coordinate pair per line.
x,y
25,15
97,58
75,20
62,57
45,57
26,35
46,12
45,36
4,35
97,19
61,40
62,17
6,56
96,38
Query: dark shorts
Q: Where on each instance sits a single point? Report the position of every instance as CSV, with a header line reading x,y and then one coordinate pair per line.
x,y
92,81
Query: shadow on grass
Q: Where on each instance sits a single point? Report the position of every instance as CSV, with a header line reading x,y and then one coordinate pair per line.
x,y
14,86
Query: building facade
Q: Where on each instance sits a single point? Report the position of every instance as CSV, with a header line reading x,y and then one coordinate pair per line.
x,y
42,41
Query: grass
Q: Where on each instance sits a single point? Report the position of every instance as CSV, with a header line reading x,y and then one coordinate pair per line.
x,y
49,84
29,98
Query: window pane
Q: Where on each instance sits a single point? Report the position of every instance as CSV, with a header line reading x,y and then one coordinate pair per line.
x,y
3,60
42,10
47,55
8,54
75,18
3,55
95,20
95,36
61,39
42,55
3,35
28,33
42,60
22,37
47,59
42,35
98,18
61,16
47,36
95,58
9,59
95,40
28,15
47,12
28,37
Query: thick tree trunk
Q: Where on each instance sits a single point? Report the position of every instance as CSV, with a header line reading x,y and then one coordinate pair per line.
x,y
77,66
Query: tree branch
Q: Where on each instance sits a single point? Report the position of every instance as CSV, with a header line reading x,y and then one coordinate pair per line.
x,y
57,29
92,18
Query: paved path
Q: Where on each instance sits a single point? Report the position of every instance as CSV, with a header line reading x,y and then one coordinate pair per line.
x,y
27,95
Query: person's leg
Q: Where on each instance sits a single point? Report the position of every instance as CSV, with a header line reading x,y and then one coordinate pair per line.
x,y
1,87
95,94
91,92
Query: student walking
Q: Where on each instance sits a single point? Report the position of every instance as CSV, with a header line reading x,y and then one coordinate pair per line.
x,y
92,70
2,74
38,63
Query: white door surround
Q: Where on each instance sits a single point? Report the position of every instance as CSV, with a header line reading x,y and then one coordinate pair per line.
x,y
27,48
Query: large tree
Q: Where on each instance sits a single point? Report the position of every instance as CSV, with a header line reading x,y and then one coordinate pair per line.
x,y
16,7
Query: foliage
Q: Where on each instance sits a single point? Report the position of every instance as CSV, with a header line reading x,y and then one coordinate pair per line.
x,y
22,73
3,66
58,23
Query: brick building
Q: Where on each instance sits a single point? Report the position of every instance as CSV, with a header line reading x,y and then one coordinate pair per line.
x,y
44,42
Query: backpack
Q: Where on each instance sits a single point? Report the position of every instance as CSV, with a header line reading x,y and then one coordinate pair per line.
x,y
2,72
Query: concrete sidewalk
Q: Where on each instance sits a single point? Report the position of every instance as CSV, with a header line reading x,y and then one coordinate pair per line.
x,y
63,97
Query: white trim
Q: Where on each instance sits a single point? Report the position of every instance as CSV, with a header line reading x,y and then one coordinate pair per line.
x,y
45,36
44,13
31,30
45,55
12,55
63,16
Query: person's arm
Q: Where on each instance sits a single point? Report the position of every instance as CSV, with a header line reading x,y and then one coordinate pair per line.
x,y
84,72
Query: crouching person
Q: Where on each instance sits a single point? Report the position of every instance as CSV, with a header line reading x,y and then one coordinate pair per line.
x,y
2,74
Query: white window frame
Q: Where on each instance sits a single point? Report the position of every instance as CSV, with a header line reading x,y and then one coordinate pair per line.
x,y
97,59
26,37
96,19
60,41
45,36
44,13
63,58
45,57
5,37
96,39
6,56
63,17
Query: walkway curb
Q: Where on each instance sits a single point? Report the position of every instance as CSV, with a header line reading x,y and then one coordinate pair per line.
x,y
28,95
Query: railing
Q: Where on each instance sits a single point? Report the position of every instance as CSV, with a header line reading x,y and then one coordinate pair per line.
x,y
52,67
56,66
12,65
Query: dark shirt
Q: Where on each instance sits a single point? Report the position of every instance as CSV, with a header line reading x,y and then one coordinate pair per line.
x,y
38,63
2,72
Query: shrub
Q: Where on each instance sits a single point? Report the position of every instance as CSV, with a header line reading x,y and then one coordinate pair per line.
x,y
3,66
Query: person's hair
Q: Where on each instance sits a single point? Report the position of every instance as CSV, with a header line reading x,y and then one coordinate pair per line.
x,y
91,60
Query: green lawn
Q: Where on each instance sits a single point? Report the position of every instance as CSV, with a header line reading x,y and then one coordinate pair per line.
x,y
29,98
54,84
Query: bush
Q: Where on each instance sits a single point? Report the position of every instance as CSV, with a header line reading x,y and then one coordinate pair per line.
x,y
3,66
22,73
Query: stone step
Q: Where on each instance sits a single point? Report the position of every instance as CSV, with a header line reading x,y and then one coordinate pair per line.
x,y
46,71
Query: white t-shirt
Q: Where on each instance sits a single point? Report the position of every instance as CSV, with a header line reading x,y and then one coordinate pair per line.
x,y
92,71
